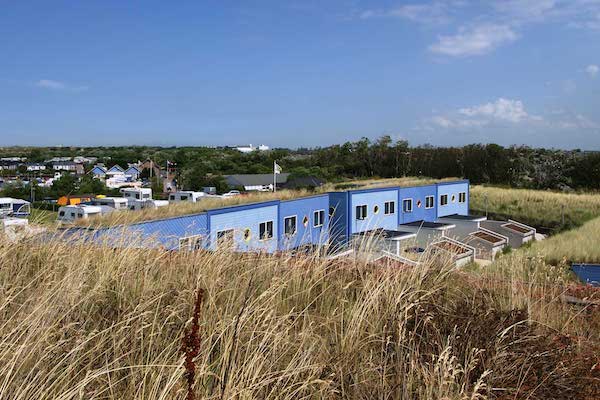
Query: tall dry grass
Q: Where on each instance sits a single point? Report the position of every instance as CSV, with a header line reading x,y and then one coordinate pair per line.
x,y
85,322
536,207
577,245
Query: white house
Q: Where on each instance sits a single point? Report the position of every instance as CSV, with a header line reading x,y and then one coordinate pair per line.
x,y
35,166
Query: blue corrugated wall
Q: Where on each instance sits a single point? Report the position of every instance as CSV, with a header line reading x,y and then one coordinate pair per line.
x,y
240,218
305,234
338,226
452,190
587,273
165,232
419,212
374,199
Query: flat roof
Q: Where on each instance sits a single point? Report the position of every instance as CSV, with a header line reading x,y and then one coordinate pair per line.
x,y
387,234
459,217
487,236
452,247
429,225
517,228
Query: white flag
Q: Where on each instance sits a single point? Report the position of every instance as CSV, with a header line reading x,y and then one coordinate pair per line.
x,y
276,168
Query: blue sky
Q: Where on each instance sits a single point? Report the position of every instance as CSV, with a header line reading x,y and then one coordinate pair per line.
x,y
300,73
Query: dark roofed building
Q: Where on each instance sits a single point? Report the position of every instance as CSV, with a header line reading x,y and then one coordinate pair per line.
x,y
256,181
303,182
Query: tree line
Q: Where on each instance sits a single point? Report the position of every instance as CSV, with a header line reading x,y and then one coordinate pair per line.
x,y
196,167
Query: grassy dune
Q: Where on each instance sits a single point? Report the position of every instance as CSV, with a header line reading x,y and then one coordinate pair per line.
x,y
537,207
81,322
578,245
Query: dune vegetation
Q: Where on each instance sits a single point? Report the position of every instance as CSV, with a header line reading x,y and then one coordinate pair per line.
x,y
536,207
579,245
85,322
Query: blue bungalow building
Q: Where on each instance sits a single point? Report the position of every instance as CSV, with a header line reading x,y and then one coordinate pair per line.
x,y
327,219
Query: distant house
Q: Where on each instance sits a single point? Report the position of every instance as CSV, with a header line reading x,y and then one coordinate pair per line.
x,y
303,182
35,166
7,165
250,148
260,182
57,159
68,166
133,172
98,171
115,170
85,160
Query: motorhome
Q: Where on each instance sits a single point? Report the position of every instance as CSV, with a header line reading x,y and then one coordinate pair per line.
x,y
134,204
118,203
137,193
16,207
187,195
68,214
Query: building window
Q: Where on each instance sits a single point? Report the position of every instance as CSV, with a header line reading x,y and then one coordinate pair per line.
x,y
172,197
190,243
289,226
389,207
429,201
184,198
265,230
361,212
225,238
318,218
462,197
444,200
407,205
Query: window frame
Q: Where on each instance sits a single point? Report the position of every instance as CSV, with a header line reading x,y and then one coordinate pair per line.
x,y
432,197
295,217
193,242
442,203
322,219
264,239
410,200
364,215
386,207
463,196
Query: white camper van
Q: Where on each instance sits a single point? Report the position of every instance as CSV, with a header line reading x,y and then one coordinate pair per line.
x,y
68,214
118,203
137,193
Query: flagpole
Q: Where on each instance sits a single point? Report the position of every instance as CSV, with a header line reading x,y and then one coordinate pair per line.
x,y
274,176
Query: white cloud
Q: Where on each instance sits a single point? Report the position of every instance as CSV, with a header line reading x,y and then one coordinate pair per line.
x,y
527,9
592,70
497,113
50,84
477,40
57,85
434,13
501,109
